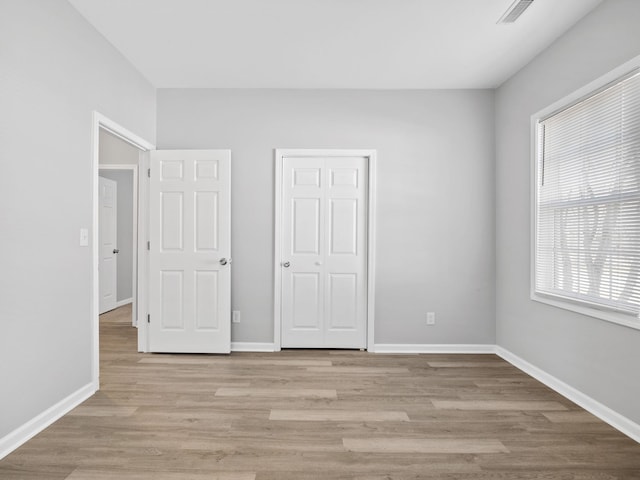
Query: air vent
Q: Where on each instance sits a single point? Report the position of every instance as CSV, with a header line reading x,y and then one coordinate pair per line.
x,y
516,9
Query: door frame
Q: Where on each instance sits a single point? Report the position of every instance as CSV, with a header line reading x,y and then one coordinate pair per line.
x,y
99,121
370,156
134,280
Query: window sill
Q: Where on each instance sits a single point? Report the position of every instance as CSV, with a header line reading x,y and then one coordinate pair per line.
x,y
618,318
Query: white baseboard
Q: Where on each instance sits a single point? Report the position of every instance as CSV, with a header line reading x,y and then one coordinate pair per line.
x,y
122,303
20,435
604,413
431,348
252,347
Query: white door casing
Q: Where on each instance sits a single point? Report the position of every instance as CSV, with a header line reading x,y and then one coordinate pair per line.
x,y
108,224
324,249
190,249
100,122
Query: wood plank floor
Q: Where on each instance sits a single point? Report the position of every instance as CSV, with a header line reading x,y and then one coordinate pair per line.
x,y
333,415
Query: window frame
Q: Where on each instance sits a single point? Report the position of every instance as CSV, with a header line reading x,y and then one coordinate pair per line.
x,y
567,303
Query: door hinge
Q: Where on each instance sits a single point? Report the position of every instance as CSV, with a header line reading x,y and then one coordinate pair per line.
x,y
148,318
149,172
148,245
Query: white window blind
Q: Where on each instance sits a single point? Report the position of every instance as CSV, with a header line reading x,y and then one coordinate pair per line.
x,y
588,200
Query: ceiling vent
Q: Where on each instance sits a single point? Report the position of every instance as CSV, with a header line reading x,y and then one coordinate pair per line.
x,y
516,9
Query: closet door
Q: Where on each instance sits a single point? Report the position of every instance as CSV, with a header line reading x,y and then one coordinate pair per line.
x,y
324,267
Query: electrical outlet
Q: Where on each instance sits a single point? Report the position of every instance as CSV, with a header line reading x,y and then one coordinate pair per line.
x,y
84,237
235,318
431,318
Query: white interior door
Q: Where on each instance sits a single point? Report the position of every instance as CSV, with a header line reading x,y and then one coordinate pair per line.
x,y
107,264
189,255
324,257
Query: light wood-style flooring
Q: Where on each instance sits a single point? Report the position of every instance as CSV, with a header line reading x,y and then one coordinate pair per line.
x,y
333,415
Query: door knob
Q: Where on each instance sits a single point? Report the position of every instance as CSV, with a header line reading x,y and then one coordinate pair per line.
x,y
224,261
286,264
318,263
116,250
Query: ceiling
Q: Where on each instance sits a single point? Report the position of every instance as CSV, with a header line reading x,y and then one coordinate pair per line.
x,y
368,44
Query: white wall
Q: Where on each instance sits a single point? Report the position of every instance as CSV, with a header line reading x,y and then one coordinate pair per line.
x,y
598,358
435,239
114,150
124,209
56,69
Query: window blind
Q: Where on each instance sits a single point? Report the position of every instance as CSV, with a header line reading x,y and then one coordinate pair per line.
x,y
588,200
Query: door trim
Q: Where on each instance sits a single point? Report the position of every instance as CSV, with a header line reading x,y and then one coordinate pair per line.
x,y
134,281
99,121
370,155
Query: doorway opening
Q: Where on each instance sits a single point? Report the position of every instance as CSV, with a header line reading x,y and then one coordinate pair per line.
x,y
116,149
118,233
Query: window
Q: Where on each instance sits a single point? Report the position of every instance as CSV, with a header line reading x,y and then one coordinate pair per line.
x,y
587,202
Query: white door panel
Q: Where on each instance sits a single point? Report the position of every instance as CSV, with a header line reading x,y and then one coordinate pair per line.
x,y
324,289
306,300
342,301
107,231
190,273
306,226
